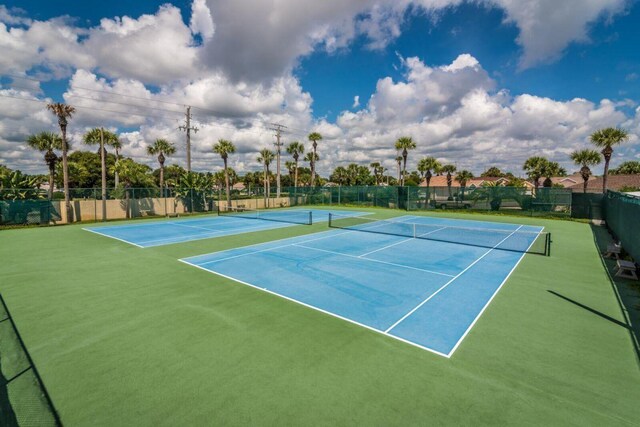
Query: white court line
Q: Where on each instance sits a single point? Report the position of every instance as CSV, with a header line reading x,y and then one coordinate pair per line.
x,y
318,309
449,282
372,260
106,235
455,347
397,243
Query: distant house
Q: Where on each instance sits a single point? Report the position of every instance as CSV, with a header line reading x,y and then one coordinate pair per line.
x,y
441,181
238,186
614,182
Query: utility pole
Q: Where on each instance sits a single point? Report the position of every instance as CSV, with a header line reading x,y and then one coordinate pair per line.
x,y
188,128
278,128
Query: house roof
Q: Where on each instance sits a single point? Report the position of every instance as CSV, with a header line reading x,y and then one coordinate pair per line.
x,y
441,181
614,182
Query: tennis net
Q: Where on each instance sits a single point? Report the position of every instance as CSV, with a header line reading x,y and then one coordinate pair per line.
x,y
289,216
507,240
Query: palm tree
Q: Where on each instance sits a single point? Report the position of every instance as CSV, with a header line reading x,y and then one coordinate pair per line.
x,y
312,158
161,147
375,167
265,158
586,158
98,136
64,112
449,169
314,137
224,147
462,177
425,166
399,163
117,146
295,149
340,175
535,168
291,168
47,142
405,143
552,169
606,139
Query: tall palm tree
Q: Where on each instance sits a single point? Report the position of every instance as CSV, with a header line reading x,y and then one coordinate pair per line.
x,y
449,169
375,168
462,177
47,142
225,147
64,112
606,139
314,137
99,136
405,143
291,168
425,166
161,147
312,158
117,146
586,158
398,160
265,158
535,168
295,149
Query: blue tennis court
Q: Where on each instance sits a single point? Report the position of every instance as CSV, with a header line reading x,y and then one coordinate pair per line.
x,y
167,232
424,281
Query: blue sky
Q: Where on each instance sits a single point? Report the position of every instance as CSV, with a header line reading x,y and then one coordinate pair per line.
x,y
457,75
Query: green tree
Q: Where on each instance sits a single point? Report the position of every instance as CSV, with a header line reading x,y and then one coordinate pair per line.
x,y
224,147
631,167
492,172
463,177
339,175
18,186
449,169
586,158
162,148
404,144
117,146
47,142
312,158
606,139
535,168
552,169
375,169
295,149
425,166
265,158
64,112
133,175
314,137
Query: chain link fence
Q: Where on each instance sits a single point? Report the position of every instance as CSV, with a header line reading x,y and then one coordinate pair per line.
x,y
125,203
622,214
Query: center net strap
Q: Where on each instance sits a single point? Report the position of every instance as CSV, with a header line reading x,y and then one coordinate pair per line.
x,y
508,240
288,216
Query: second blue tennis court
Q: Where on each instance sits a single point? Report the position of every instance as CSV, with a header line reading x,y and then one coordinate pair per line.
x,y
171,231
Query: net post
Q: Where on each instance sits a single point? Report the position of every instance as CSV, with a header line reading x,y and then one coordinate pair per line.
x,y
310,217
414,231
330,219
548,244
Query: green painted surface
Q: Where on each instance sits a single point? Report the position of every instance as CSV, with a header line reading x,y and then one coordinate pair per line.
x,y
123,335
